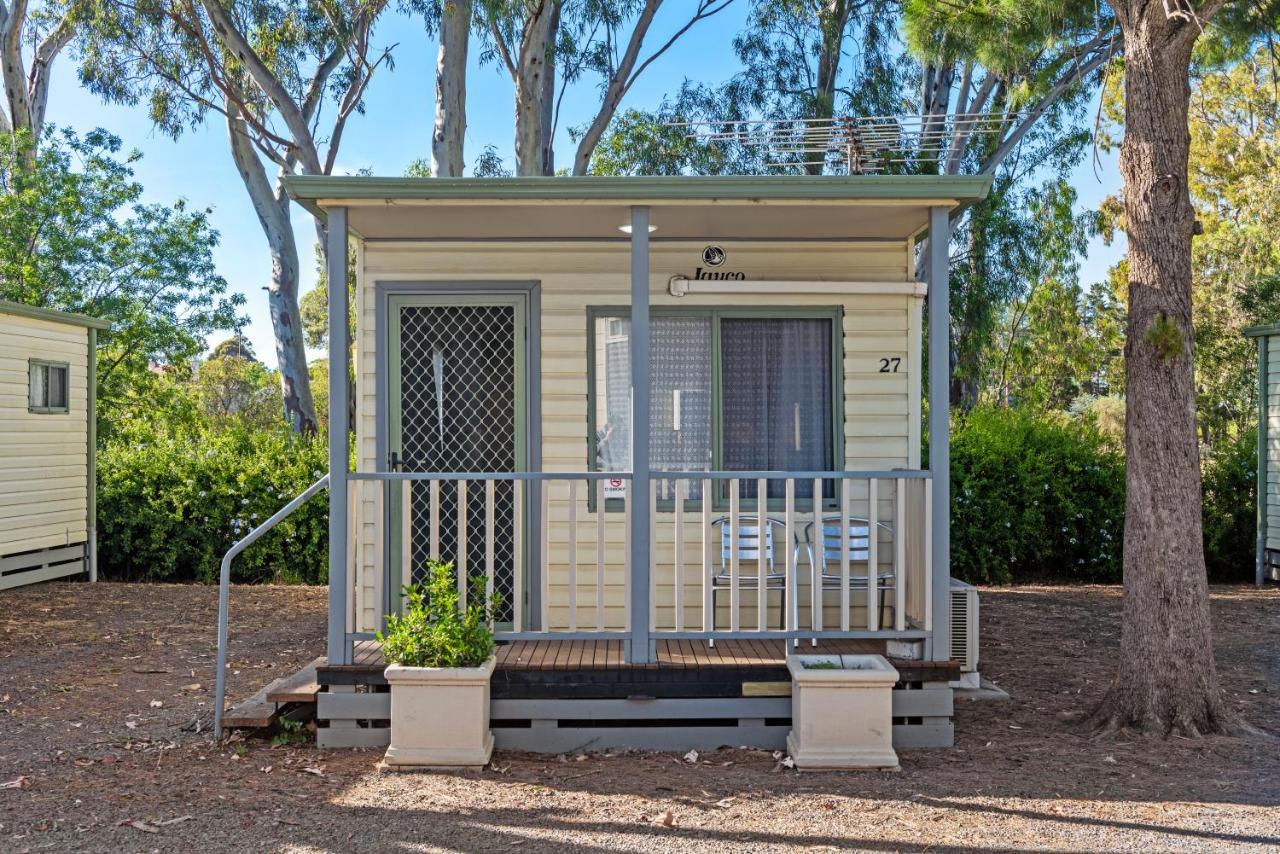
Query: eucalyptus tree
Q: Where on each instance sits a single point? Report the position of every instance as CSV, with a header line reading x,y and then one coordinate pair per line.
x,y
546,46
285,76
48,28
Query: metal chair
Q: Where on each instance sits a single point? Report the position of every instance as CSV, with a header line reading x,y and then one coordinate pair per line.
x,y
749,545
859,537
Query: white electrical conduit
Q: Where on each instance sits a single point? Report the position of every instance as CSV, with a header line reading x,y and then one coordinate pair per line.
x,y
680,286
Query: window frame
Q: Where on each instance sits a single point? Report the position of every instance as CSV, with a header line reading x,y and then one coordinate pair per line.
x,y
715,313
49,365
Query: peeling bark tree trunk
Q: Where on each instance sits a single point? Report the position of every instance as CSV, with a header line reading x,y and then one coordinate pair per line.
x,y
535,89
272,207
833,18
1166,682
447,141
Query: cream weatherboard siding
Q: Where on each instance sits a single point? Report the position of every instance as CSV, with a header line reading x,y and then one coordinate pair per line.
x,y
881,411
43,457
1273,442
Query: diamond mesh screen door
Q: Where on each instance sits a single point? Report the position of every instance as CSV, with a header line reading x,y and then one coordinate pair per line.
x,y
457,404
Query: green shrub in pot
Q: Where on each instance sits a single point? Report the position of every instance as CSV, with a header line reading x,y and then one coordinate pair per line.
x,y
434,630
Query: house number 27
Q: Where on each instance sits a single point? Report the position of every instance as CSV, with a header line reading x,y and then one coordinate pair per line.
x,y
890,365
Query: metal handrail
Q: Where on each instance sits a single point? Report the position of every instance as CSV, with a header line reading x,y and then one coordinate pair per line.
x,y
224,589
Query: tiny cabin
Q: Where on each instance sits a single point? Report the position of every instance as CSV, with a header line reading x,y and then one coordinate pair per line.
x,y
47,444
674,423
1268,552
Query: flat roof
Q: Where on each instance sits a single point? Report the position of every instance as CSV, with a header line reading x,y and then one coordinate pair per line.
x,y
53,315
821,207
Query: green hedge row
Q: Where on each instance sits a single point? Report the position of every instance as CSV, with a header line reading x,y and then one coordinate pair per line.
x,y
1041,498
169,507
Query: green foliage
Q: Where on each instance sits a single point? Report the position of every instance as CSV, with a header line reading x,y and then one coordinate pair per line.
x,y
434,630
292,733
75,235
1230,490
1033,498
240,390
173,500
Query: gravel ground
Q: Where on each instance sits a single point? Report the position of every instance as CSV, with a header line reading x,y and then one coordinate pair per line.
x,y
101,689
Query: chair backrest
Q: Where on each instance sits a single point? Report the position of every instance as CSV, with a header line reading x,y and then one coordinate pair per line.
x,y
858,534
751,538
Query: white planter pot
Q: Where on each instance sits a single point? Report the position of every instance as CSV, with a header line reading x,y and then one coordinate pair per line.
x,y
440,716
842,716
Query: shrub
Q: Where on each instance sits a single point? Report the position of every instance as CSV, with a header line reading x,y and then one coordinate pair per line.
x,y
170,504
434,630
1034,497
1230,477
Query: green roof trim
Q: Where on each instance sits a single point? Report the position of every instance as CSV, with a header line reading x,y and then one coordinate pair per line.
x,y
22,310
1258,331
960,188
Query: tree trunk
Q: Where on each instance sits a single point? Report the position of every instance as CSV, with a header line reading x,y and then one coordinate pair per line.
x,y
451,91
1166,682
833,18
272,208
535,88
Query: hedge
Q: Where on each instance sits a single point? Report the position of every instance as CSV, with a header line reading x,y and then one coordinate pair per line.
x,y
169,506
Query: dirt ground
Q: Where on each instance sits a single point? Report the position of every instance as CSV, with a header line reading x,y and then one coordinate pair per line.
x,y
100,688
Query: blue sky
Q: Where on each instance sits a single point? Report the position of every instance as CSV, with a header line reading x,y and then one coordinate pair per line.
x,y
396,129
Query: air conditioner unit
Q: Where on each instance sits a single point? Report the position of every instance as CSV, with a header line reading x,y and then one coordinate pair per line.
x,y
964,625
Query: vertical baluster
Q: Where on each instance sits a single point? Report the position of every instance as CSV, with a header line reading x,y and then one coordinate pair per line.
x,y
573,555
653,560
678,557
489,523
708,603
900,556
435,520
600,544
734,507
461,563
815,591
791,581
517,555
928,554
544,558
764,531
844,553
406,533
626,558
873,556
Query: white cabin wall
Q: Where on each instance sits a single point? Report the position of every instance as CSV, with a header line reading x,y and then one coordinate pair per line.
x,y
881,410
43,457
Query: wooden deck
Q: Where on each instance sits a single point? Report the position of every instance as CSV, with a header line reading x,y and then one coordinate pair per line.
x,y
672,655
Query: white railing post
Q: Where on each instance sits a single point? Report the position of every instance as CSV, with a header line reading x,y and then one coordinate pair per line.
x,y
489,523
844,551
734,515
765,534
928,555
435,520
792,579
518,555
678,556
460,560
873,555
708,597
544,489
900,558
816,584
600,550
573,555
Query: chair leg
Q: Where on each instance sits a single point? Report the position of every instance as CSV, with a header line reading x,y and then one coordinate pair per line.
x,y
712,641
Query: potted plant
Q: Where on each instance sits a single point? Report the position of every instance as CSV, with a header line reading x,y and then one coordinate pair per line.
x,y
439,661
842,711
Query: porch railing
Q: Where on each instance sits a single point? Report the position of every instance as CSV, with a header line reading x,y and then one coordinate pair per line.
x,y
564,560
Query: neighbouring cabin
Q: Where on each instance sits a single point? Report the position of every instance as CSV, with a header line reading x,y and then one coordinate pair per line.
x,y
1268,553
674,423
47,439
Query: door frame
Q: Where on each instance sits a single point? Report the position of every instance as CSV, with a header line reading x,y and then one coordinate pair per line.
x,y
531,290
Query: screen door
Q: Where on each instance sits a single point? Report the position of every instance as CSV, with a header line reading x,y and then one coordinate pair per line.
x,y
457,403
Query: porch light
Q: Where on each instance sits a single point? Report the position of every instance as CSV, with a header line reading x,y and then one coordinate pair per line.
x,y
626,229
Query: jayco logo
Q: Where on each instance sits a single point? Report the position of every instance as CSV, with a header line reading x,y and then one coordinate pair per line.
x,y
714,256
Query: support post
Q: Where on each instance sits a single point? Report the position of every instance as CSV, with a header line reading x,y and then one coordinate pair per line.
x,y
338,649
1260,559
940,426
91,482
639,650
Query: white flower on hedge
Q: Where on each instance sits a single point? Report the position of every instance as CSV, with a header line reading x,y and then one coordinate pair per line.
x,y
246,501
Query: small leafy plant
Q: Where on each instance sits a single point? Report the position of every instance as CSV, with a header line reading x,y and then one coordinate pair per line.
x,y
291,733
434,629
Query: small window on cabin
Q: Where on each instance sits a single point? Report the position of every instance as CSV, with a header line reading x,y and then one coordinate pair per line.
x,y
727,393
48,386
